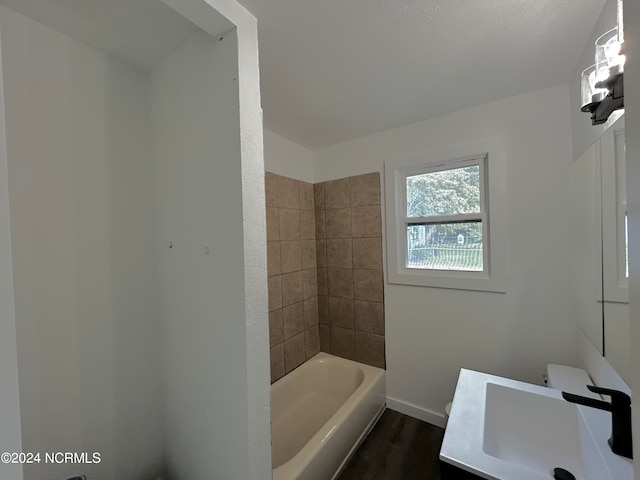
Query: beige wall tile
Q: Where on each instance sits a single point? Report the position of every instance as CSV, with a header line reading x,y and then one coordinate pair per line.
x,y
340,282
337,193
321,230
341,312
288,196
293,320
308,224
321,253
309,256
291,256
365,221
312,341
338,223
294,354
306,196
365,189
310,312
369,317
277,362
289,224
309,283
273,259
325,335
339,253
324,251
323,309
273,224
367,285
367,253
271,189
276,334
370,349
322,281
343,342
291,288
275,292
318,196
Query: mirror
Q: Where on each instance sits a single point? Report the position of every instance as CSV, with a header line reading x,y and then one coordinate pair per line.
x,y
598,262
615,271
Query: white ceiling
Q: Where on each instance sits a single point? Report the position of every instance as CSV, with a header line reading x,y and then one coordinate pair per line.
x,y
334,70
140,32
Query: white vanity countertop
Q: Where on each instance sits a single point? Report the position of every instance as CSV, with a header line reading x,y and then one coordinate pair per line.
x,y
464,440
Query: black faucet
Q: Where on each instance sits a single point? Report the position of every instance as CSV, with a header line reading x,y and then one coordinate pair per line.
x,y
620,408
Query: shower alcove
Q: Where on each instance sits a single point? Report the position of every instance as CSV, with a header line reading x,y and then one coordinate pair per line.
x,y
133,277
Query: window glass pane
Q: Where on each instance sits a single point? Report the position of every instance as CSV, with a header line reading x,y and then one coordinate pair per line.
x,y
445,192
449,246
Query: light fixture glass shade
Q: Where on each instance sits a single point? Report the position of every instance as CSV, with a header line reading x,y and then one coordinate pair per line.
x,y
601,85
607,56
620,21
588,88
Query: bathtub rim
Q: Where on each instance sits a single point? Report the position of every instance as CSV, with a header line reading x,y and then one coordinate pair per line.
x,y
373,385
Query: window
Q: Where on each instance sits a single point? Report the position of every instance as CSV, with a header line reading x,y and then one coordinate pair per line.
x,y
445,217
438,227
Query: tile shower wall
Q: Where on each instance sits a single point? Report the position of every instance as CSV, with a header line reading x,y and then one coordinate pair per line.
x,y
291,267
349,261
324,262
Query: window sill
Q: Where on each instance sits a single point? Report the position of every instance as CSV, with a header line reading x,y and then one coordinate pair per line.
x,y
449,280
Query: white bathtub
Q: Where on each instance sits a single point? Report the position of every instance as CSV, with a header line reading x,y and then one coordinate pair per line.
x,y
320,413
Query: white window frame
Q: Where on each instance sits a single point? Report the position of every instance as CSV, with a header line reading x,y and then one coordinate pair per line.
x,y
489,154
481,216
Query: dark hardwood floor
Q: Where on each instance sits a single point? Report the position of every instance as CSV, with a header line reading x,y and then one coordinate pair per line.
x,y
398,448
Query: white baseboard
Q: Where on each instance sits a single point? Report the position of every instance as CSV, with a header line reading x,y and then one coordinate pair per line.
x,y
415,411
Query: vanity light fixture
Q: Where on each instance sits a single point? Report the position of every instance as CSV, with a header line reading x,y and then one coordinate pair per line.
x,y
602,84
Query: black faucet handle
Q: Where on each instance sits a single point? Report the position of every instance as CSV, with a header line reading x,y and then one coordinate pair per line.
x,y
620,407
617,397
587,401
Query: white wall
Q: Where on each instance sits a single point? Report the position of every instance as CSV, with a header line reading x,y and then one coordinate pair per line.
x,y
284,157
10,433
255,343
81,183
632,136
432,333
199,207
81,208
600,370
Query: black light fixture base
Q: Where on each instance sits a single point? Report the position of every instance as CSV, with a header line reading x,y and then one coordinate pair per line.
x,y
590,107
601,110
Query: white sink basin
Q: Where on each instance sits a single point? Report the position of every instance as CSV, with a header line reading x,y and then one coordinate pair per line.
x,y
502,429
539,433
